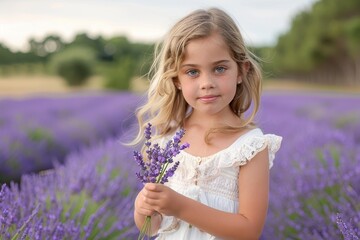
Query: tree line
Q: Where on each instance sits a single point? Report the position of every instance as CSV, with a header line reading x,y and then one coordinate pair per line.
x,y
322,45
116,59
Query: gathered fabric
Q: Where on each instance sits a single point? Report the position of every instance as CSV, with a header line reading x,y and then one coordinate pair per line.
x,y
213,180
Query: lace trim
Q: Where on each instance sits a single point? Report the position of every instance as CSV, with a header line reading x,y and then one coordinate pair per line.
x,y
250,148
169,224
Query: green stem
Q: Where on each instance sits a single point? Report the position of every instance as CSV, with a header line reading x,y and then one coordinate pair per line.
x,y
162,172
145,229
35,211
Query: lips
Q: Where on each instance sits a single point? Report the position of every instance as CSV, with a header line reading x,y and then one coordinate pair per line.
x,y
208,98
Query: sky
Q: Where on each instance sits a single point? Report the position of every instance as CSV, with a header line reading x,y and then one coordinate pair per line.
x,y
260,21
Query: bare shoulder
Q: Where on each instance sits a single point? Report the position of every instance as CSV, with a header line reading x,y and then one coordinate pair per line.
x,y
257,164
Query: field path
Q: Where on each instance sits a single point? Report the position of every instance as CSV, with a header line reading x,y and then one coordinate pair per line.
x,y
24,86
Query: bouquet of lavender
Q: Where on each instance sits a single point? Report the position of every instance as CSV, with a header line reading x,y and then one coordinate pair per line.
x,y
155,168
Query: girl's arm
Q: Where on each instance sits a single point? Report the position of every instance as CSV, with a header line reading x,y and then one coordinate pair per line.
x,y
253,204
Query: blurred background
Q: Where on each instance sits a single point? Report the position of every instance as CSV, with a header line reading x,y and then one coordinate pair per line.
x,y
67,46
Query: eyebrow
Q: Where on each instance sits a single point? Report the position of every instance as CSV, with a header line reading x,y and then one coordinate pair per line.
x,y
196,65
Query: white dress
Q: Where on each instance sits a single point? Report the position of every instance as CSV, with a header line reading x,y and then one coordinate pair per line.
x,y
213,180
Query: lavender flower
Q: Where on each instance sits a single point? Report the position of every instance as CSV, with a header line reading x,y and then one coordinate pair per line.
x,y
158,159
346,229
155,169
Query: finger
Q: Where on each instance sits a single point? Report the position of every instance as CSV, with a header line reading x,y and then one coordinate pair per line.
x,y
145,212
151,202
151,186
148,194
148,211
154,187
144,206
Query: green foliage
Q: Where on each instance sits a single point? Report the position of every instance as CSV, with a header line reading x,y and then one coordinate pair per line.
x,y
265,57
83,40
74,65
118,75
78,202
352,31
346,120
8,57
23,69
44,48
122,61
39,134
116,59
5,54
323,37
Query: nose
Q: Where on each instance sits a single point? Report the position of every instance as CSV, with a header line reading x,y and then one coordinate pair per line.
x,y
207,81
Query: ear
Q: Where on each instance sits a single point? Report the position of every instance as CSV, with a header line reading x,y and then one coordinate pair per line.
x,y
239,79
245,66
177,83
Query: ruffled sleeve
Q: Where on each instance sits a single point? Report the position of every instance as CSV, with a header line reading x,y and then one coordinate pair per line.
x,y
248,146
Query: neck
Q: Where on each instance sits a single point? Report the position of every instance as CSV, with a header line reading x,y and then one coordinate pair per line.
x,y
207,122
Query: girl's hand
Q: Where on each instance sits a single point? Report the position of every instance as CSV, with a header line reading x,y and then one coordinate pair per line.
x,y
162,199
142,207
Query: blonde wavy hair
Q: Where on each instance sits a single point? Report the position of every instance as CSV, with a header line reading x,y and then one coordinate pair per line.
x,y
166,108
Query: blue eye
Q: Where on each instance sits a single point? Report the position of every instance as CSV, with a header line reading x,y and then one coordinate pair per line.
x,y
192,73
220,69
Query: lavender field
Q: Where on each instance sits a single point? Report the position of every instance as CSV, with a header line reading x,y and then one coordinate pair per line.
x,y
38,131
89,190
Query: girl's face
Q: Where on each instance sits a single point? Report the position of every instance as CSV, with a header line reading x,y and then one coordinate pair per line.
x,y
208,75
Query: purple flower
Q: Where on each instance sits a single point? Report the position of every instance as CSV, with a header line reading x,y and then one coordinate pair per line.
x,y
347,230
169,173
154,169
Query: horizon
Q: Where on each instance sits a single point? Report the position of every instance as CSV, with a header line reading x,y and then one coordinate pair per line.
x,y
261,22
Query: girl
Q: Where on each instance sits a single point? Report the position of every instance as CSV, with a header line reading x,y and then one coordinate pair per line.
x,y
205,80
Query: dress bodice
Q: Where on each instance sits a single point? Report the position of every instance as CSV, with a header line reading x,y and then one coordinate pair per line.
x,y
213,180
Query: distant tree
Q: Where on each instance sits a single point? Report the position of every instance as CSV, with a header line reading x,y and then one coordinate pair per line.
x,y
127,61
83,40
50,44
75,65
352,31
6,56
119,74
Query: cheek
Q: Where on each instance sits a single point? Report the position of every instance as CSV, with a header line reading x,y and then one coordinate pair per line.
x,y
231,90
188,93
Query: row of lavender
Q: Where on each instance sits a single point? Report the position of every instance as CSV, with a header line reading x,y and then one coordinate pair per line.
x,y
38,131
315,191
314,182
